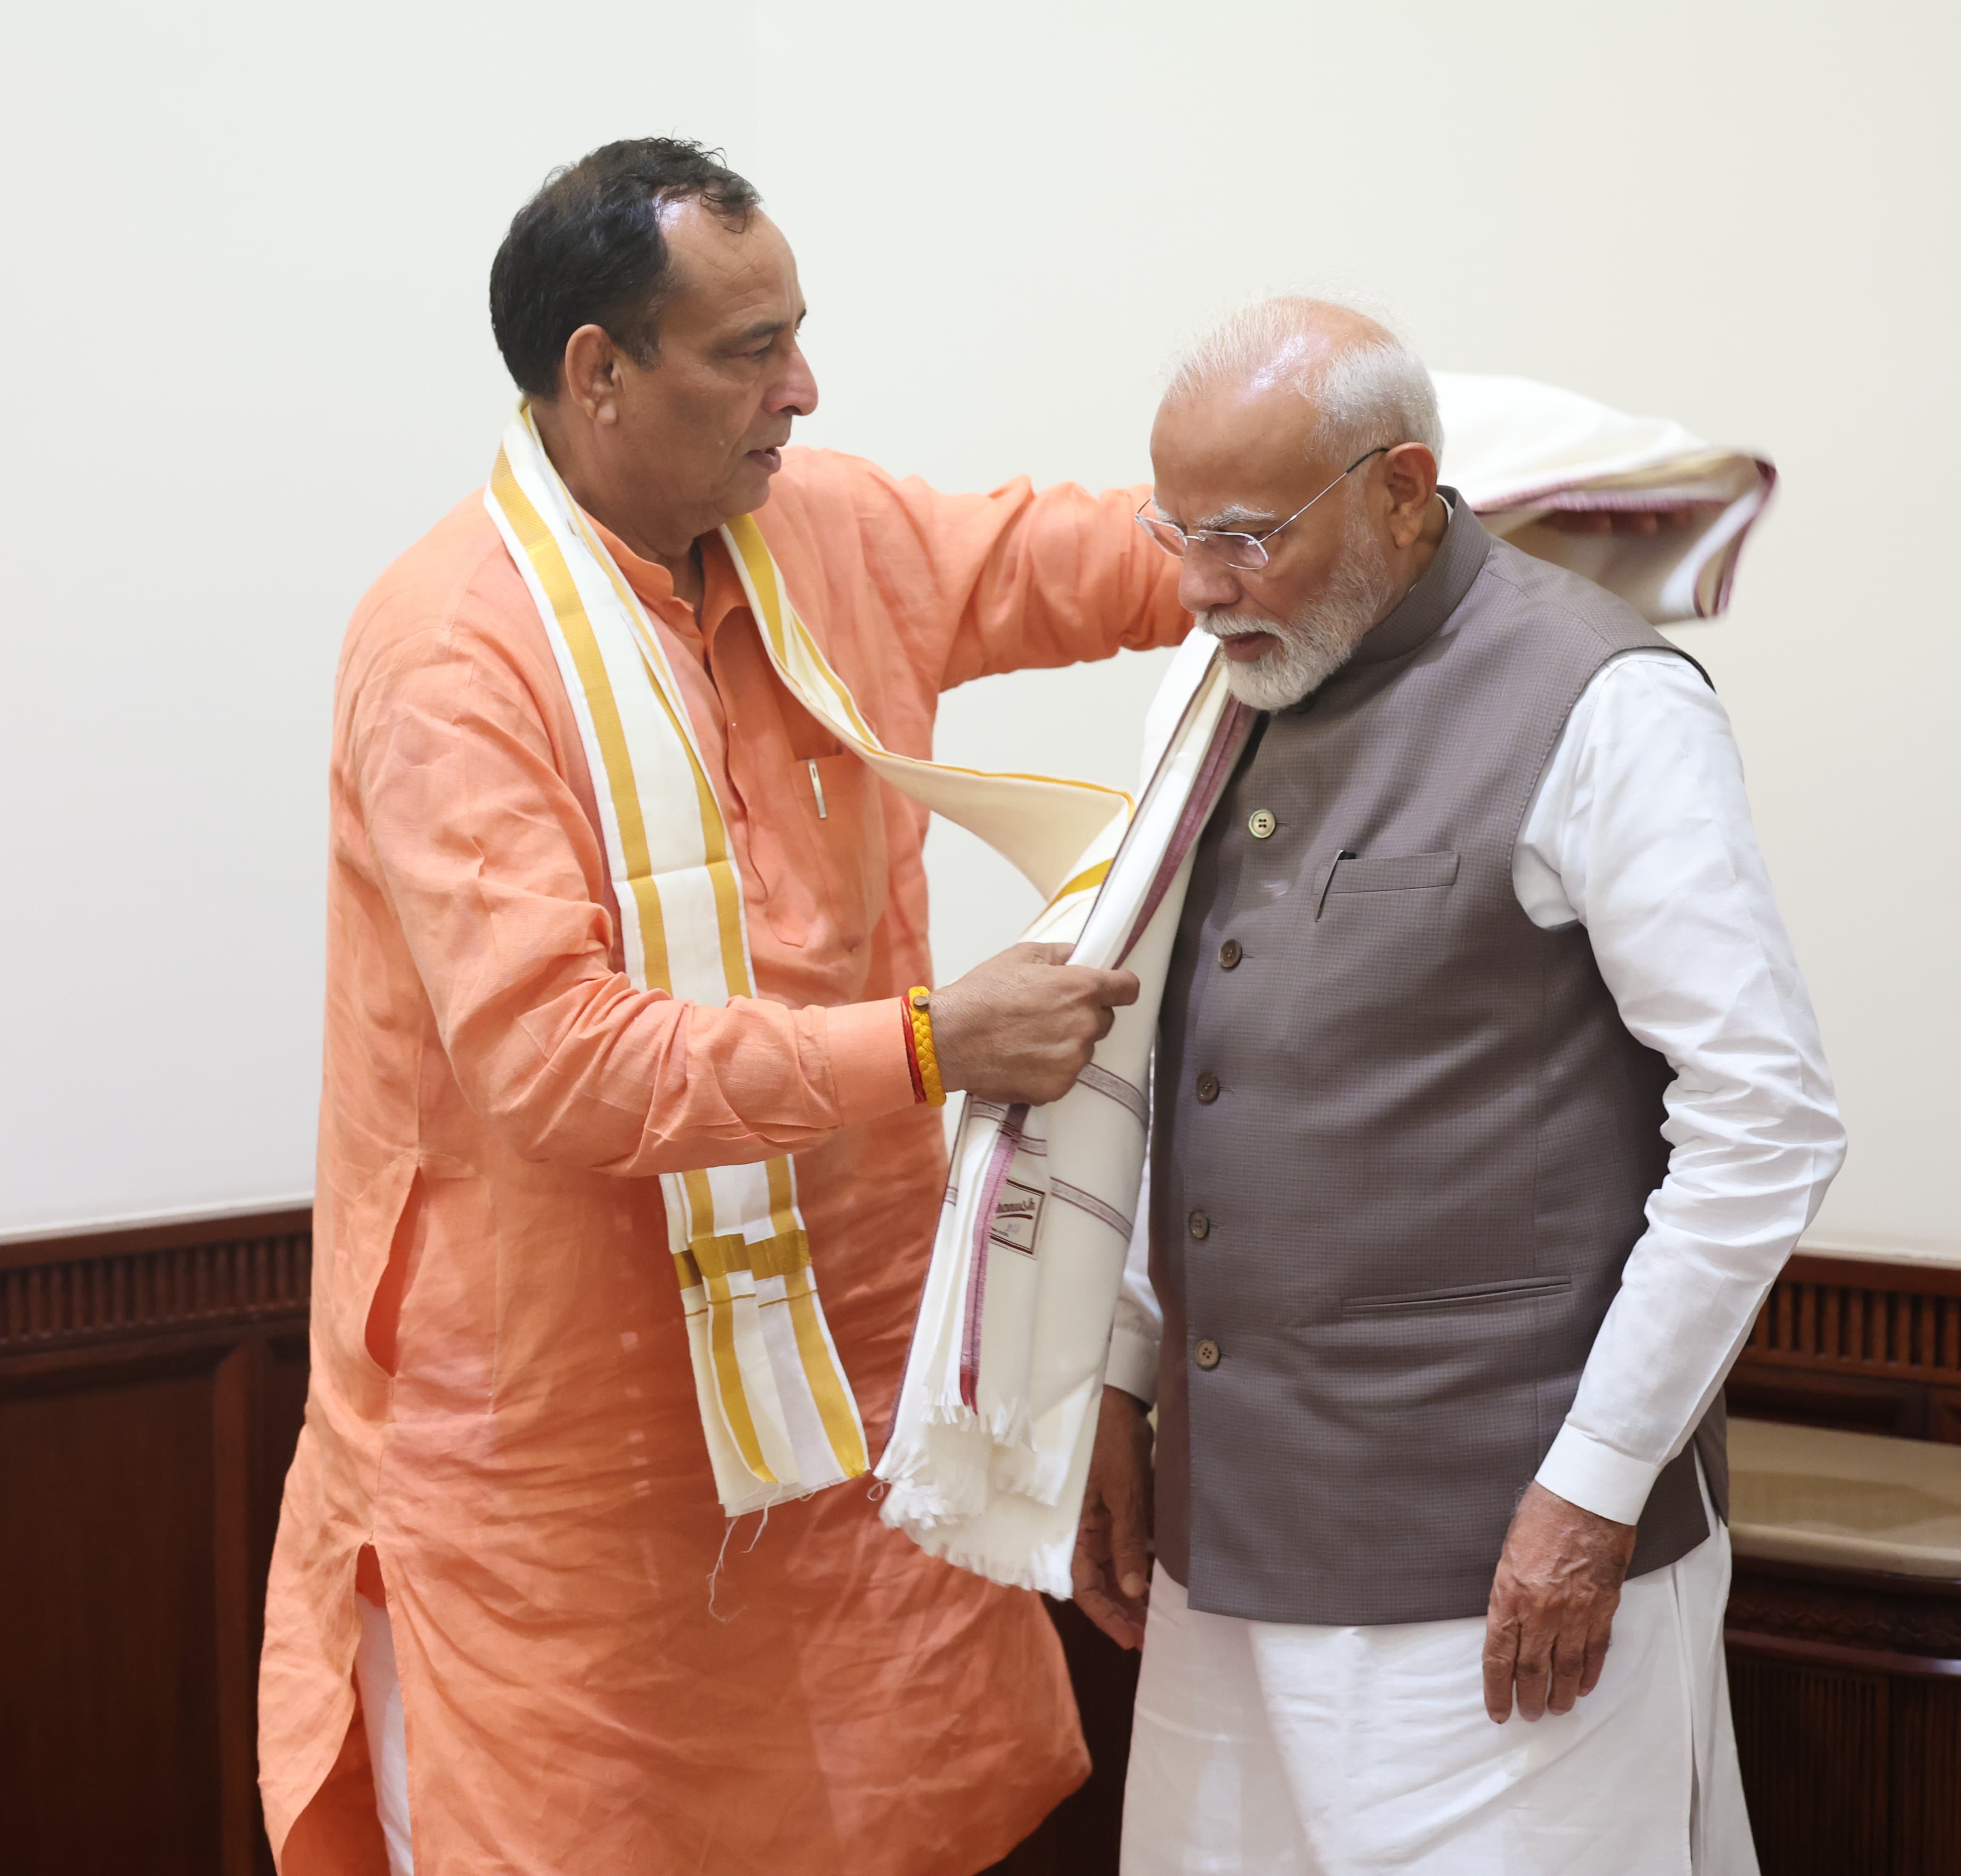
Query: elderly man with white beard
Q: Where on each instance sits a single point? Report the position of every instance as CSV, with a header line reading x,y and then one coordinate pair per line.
x,y
1488,1102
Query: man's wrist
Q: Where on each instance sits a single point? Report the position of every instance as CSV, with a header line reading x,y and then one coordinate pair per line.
x,y
870,1073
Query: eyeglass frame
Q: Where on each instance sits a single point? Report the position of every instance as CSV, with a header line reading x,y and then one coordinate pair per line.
x,y
1187,537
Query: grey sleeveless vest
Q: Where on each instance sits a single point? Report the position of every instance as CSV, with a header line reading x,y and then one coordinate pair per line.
x,y
1403,1144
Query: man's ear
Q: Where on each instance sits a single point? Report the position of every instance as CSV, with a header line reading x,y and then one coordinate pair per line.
x,y
1409,473
589,373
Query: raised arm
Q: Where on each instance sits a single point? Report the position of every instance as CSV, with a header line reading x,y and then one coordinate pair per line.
x,y
984,583
1058,576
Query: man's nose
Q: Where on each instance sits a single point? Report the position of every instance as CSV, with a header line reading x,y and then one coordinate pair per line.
x,y
1207,584
795,391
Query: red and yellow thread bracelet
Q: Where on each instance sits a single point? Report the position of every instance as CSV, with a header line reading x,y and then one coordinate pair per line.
x,y
912,1053
919,1037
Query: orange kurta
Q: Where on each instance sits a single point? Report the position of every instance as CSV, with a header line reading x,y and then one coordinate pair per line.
x,y
502,1403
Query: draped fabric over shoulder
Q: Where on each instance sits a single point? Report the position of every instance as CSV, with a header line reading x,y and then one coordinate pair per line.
x,y
503,1436
991,1444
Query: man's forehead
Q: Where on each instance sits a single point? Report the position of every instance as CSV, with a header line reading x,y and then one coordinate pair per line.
x,y
733,277
1233,458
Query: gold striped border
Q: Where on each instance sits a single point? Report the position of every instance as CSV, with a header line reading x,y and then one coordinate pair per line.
x,y
724,881
827,1386
723,1357
1089,877
765,587
562,594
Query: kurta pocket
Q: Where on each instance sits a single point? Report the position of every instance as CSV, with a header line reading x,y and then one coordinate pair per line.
x,y
384,1305
822,861
846,821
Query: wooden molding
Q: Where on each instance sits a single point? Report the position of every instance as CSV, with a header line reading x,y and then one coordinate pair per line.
x,y
240,1228
1861,1273
1802,1605
1836,1655
65,1294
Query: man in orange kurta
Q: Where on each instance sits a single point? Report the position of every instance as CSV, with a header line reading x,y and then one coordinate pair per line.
x,y
502,1442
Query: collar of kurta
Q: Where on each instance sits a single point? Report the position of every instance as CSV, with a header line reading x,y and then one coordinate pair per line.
x,y
1437,594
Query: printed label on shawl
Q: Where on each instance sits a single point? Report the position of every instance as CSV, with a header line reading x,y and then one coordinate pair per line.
x,y
1017,1216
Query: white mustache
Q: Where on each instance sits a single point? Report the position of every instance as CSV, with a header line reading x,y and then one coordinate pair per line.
x,y
1229,625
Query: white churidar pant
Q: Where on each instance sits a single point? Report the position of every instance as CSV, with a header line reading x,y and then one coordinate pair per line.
x,y
1271,1749
380,1689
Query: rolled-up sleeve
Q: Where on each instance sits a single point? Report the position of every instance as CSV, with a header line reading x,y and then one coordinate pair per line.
x,y
484,855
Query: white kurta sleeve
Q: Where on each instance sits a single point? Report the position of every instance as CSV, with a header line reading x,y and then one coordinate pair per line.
x,y
1640,830
1139,1326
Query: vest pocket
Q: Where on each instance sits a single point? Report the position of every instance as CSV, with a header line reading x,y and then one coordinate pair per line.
x,y
1462,1296
1402,873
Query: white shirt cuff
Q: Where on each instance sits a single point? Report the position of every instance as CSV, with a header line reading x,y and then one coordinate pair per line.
x,y
1583,1472
1133,1365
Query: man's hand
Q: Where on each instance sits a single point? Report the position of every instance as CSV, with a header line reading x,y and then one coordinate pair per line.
x,y
1552,1605
1111,1570
1022,1026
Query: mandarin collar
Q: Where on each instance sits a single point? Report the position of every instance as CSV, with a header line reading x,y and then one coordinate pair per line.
x,y
1459,557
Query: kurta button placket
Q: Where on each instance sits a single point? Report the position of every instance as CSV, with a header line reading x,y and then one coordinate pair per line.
x,y
1206,1354
1199,1226
1207,1089
1230,952
1261,823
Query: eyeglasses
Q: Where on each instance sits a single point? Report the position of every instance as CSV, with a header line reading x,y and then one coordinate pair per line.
x,y
1246,553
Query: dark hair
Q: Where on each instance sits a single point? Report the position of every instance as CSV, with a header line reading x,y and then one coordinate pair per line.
x,y
586,250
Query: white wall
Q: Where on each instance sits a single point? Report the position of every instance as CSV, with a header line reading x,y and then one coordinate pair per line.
x,y
1741,214
245,314
259,245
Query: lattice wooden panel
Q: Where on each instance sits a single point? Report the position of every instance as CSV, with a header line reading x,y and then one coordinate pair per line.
x,y
1860,1329
90,1299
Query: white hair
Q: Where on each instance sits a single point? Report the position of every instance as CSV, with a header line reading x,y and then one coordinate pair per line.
x,y
1370,392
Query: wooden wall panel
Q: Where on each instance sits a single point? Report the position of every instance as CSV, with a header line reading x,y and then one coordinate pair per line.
x,y
107,1697
152,1383
151,1387
1926,1808
1792,1722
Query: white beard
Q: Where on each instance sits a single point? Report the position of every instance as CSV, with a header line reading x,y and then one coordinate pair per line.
x,y
1320,638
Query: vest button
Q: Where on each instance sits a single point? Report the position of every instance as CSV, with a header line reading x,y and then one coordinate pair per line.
x,y
1206,1355
1199,1225
1208,1089
1261,823
1230,952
